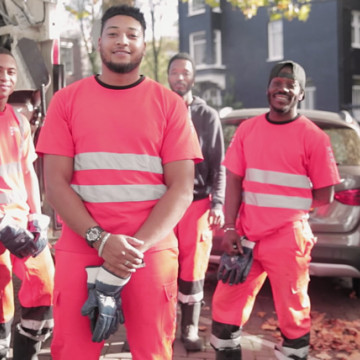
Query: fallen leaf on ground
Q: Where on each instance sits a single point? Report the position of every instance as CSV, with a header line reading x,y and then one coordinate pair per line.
x,y
328,338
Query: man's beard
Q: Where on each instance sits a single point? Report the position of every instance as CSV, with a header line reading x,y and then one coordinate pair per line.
x,y
121,68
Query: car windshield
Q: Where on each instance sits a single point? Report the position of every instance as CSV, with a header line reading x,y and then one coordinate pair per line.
x,y
346,145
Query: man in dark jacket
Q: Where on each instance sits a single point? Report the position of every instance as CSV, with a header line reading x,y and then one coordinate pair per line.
x,y
194,231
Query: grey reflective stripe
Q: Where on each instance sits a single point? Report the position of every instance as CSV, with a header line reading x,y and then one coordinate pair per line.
x,y
225,343
45,326
278,178
21,128
115,161
37,324
119,193
284,353
12,197
190,299
10,169
277,201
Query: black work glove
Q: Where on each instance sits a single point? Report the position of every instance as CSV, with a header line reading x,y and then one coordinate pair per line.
x,y
234,269
103,305
38,225
20,242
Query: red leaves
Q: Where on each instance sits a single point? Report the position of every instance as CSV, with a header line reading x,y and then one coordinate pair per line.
x,y
330,338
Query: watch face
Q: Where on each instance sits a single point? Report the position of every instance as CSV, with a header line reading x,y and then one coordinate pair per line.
x,y
93,233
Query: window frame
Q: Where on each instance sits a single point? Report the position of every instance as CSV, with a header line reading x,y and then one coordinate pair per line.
x,y
192,10
275,40
355,29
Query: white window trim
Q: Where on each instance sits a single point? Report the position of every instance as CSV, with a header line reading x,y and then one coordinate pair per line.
x,y
218,48
356,89
192,52
355,29
192,12
271,41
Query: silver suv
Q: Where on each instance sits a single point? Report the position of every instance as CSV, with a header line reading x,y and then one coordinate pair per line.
x,y
337,225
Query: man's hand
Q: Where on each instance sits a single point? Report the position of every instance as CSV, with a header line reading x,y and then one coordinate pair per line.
x,y
38,225
20,242
103,305
216,218
234,269
122,254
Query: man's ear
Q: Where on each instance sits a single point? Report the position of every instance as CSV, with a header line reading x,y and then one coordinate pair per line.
x,y
302,95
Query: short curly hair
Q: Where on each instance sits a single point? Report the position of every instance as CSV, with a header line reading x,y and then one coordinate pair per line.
x,y
126,10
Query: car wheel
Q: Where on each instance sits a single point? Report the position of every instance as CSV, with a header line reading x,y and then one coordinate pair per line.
x,y
356,286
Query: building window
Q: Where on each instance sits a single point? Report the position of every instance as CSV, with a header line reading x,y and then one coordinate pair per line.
x,y
198,47
275,40
67,56
196,7
356,97
310,97
355,29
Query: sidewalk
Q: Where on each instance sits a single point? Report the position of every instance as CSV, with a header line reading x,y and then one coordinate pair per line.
x,y
254,347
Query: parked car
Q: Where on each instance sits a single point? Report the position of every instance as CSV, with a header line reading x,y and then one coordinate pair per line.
x,y
337,225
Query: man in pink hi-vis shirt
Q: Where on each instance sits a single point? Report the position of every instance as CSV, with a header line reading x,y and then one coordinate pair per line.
x,y
279,165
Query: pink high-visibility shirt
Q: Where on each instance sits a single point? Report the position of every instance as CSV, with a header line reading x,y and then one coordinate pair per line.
x,y
120,138
17,154
280,164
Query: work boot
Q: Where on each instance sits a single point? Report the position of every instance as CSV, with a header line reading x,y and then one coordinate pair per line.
x,y
190,315
228,354
25,348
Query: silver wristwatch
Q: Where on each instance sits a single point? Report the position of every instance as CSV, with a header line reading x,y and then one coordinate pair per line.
x,y
93,234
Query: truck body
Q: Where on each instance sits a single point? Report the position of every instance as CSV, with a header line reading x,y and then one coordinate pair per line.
x,y
29,29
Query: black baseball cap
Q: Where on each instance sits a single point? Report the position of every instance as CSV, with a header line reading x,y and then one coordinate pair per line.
x,y
298,72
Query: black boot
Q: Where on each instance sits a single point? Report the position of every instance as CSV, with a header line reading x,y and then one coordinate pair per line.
x,y
190,315
229,354
25,348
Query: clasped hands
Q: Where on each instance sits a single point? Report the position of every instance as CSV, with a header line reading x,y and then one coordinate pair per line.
x,y
105,284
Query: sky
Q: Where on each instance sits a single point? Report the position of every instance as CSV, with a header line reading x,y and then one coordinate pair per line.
x,y
166,25
169,16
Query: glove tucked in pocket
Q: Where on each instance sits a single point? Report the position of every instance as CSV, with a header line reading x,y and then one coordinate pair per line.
x,y
234,269
103,305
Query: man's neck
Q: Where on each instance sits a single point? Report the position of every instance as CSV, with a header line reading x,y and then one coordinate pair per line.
x,y
116,79
188,98
3,103
276,116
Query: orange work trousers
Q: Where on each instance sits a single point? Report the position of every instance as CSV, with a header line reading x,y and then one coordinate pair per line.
x,y
195,242
284,257
148,302
35,293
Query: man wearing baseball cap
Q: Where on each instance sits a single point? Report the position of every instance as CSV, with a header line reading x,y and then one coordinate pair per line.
x,y
279,166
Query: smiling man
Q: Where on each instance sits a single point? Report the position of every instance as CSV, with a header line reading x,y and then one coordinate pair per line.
x,y
119,152
279,165
22,252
